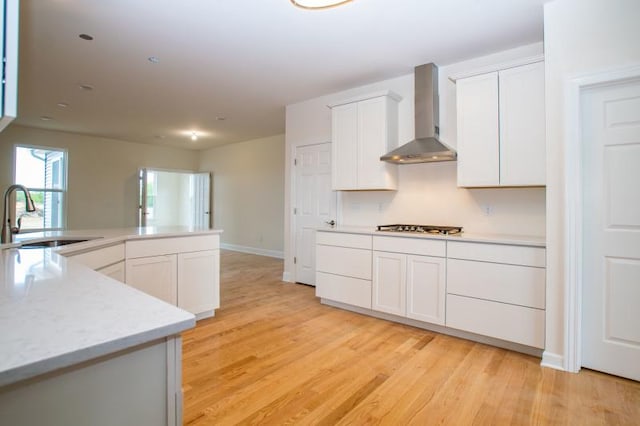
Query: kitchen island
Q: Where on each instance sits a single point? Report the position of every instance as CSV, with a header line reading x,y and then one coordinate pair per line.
x,y
78,347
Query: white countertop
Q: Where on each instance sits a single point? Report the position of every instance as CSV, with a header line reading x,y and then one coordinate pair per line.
x,y
101,237
55,313
523,240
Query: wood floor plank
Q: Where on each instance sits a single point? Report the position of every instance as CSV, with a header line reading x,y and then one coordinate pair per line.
x,y
273,355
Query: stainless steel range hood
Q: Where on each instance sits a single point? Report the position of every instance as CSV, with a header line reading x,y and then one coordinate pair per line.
x,y
426,147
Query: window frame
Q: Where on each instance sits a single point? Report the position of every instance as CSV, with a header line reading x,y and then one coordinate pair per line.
x,y
64,191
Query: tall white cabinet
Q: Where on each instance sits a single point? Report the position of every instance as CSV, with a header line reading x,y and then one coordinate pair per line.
x,y
501,128
363,130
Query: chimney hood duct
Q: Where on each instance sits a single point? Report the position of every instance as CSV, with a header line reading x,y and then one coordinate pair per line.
x,y
426,147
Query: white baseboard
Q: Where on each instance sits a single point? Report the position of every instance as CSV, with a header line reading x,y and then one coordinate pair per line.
x,y
253,250
286,277
552,360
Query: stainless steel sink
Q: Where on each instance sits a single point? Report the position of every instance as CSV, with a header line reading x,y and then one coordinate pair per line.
x,y
51,243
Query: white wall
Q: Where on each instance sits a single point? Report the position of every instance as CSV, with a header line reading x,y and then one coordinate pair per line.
x,y
248,199
582,37
102,175
427,193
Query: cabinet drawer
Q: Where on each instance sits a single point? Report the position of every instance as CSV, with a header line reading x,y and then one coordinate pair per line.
x,y
101,257
352,291
344,240
161,246
500,320
499,253
519,285
350,262
417,246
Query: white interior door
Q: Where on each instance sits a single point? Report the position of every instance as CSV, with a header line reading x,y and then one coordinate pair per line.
x,y
611,229
201,185
315,205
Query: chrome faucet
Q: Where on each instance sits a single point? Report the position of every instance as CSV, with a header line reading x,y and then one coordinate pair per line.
x,y
7,229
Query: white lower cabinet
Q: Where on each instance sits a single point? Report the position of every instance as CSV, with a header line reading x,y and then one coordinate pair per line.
x,y
156,276
410,285
196,291
343,268
497,291
184,271
138,386
489,289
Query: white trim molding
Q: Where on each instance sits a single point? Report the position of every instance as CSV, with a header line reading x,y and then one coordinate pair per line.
x,y
496,67
551,360
279,254
573,211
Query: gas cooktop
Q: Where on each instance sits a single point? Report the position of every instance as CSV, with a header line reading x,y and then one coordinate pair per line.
x,y
421,229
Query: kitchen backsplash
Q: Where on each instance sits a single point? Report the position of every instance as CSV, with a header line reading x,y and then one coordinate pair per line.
x,y
428,194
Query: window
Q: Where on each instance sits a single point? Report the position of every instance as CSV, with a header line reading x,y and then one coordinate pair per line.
x,y
44,172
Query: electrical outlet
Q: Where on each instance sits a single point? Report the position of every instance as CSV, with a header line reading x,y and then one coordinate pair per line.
x,y
487,209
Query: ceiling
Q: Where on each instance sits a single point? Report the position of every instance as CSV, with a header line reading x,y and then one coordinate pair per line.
x,y
227,68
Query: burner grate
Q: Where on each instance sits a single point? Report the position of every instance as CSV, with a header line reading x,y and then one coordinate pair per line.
x,y
421,229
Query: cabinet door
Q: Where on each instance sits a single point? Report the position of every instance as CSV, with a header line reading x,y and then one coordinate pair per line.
x,y
198,282
374,140
115,271
478,137
156,276
522,126
389,283
344,130
349,290
426,288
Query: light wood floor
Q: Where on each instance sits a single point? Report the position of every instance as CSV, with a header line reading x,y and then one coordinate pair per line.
x,y
274,355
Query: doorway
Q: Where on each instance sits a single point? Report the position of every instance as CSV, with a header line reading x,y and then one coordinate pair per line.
x,y
174,198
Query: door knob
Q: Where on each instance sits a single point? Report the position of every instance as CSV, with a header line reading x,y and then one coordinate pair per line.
x,y
331,222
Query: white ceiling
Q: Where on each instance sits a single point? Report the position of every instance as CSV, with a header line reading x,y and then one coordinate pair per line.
x,y
239,59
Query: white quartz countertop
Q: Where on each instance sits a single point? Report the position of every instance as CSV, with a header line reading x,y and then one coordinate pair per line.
x,y
523,240
55,312
100,237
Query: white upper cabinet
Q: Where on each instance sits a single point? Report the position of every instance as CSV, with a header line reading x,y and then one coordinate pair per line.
x,y
522,126
9,17
478,138
362,131
501,128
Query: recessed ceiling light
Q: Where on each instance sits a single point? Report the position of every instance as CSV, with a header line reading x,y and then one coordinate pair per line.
x,y
153,59
319,4
46,118
86,87
86,37
63,104
194,136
